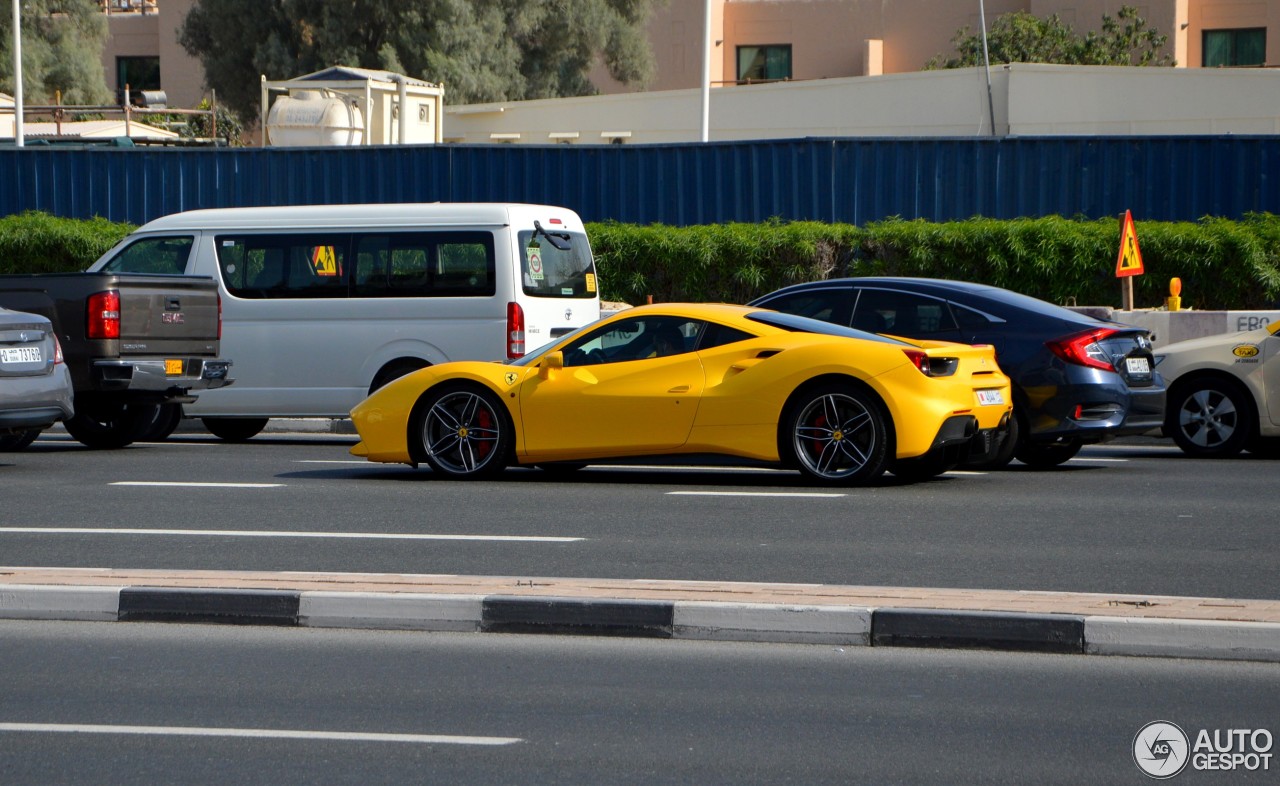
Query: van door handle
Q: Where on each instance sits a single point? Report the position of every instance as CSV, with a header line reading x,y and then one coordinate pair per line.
x,y
679,389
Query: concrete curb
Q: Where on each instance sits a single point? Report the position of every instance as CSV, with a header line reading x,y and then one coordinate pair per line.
x,y
502,612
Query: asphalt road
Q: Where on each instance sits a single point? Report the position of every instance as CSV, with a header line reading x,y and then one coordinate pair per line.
x,y
93,703
1131,518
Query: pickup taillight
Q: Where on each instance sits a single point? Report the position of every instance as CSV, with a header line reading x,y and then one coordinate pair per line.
x,y
103,319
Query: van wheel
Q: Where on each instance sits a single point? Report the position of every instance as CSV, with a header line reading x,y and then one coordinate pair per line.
x,y
109,425
234,429
18,441
394,372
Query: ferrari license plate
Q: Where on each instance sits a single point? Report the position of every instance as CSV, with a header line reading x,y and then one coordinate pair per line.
x,y
173,367
1137,365
20,355
990,397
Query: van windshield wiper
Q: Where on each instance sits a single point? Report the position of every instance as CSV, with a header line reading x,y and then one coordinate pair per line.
x,y
559,240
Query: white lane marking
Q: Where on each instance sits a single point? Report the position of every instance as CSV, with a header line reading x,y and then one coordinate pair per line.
x,y
250,533
196,485
750,494
1089,458
331,461
695,467
288,734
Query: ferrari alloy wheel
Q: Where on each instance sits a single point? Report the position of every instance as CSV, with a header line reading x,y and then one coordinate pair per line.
x,y
463,432
1209,417
838,435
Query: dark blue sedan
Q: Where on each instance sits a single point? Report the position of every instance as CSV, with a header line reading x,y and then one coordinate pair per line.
x,y
1076,379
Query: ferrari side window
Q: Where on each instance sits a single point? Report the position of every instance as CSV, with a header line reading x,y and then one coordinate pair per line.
x,y
633,339
718,335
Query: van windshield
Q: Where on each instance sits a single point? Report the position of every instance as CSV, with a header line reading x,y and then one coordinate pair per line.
x,y
549,271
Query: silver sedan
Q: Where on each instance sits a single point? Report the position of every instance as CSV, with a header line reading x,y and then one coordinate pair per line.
x,y
35,386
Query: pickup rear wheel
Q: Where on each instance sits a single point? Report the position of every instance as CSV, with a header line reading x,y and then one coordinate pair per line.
x,y
234,429
109,425
168,416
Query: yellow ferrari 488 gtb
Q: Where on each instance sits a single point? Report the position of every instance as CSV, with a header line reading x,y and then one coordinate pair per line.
x,y
840,405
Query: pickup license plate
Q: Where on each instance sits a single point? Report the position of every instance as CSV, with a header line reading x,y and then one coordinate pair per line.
x,y
21,355
172,367
990,397
1137,365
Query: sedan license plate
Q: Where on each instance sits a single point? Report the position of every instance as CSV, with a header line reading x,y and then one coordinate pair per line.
x,y
1137,365
990,397
21,355
172,367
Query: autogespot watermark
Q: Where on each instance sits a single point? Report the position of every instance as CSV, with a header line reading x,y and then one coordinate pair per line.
x,y
1162,750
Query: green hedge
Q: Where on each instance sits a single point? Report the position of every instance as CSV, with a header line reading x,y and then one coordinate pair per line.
x,y
34,242
1223,264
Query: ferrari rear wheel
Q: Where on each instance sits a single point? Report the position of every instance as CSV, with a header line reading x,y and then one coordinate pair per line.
x,y
838,434
463,432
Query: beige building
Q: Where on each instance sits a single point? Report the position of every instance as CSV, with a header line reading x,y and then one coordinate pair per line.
x,y
764,41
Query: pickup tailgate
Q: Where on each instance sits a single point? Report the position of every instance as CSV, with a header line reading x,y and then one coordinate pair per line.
x,y
168,315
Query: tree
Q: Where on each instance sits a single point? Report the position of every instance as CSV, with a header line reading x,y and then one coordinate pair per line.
x,y
481,50
62,42
1020,37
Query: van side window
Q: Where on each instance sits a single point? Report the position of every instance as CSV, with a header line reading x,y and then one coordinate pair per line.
x,y
283,266
153,255
425,264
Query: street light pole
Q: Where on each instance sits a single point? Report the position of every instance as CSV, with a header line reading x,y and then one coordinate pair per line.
x,y
706,70
986,60
17,75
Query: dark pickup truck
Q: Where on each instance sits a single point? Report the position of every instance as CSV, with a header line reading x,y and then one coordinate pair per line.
x,y
132,342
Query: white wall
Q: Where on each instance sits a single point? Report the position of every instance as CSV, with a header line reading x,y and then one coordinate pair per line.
x,y
1029,100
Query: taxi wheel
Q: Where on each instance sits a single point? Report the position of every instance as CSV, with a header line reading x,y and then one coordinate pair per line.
x,y
1209,417
18,441
463,431
1046,455
836,434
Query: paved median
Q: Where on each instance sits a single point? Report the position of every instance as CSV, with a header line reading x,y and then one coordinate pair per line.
x,y
1028,621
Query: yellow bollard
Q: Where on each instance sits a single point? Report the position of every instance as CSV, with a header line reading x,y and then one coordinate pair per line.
x,y
1174,301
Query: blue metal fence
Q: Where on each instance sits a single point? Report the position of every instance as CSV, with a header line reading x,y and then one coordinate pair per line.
x,y
836,180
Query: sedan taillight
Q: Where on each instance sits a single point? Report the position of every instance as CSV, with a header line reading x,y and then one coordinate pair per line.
x,y
1083,348
57,351
103,317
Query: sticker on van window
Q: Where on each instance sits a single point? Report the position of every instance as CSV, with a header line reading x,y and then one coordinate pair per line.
x,y
534,254
591,282
566,290
324,261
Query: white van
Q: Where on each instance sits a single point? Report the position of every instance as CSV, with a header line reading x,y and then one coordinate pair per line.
x,y
323,304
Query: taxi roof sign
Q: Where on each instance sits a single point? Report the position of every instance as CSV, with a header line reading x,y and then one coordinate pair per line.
x,y
1129,262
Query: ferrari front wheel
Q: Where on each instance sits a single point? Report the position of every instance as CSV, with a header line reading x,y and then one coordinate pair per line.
x,y
838,434
463,432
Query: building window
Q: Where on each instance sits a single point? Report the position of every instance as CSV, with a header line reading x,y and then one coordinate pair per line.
x,y
139,73
759,63
1235,47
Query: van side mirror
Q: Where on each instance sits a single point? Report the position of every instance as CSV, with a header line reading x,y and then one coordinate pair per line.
x,y
552,361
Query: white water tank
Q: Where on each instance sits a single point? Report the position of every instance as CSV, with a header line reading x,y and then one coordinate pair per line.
x,y
309,118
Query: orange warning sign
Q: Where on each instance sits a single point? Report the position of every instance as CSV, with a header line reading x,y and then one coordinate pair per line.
x,y
1129,263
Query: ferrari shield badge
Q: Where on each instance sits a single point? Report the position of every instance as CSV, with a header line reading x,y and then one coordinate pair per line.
x,y
510,378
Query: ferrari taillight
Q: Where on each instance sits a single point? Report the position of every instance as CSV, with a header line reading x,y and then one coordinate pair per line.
x,y
515,331
1083,348
103,317
918,359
